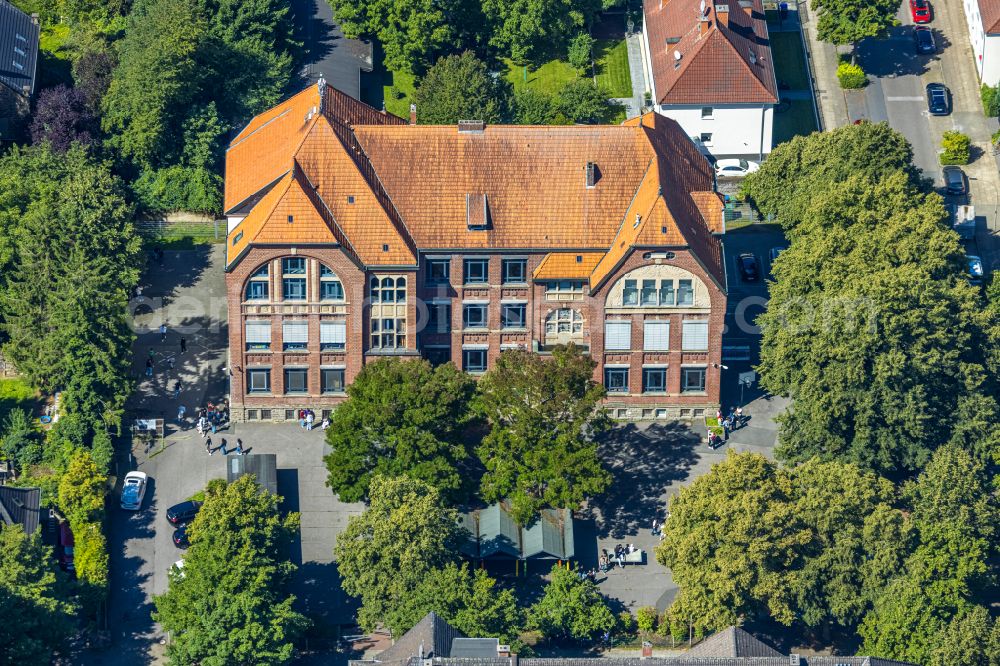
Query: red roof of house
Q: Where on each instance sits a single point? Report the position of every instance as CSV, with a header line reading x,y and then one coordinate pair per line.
x,y
725,53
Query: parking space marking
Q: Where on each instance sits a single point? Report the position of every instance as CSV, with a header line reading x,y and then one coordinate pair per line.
x,y
904,98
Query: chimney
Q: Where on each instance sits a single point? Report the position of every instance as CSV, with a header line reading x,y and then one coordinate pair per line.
x,y
704,18
722,14
413,114
747,6
703,26
34,17
503,651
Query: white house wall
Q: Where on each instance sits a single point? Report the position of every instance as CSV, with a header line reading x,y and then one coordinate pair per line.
x,y
985,48
737,130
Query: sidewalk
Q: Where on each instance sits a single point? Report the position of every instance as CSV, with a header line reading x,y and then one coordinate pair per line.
x,y
823,60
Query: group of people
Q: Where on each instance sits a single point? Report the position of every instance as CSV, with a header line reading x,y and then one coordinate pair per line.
x,y
734,420
307,418
608,560
224,448
212,418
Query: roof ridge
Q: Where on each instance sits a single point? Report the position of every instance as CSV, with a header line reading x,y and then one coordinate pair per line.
x,y
742,58
287,103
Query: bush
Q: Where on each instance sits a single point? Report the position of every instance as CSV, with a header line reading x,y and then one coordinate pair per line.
x,y
174,188
626,624
955,147
851,76
646,619
990,95
579,50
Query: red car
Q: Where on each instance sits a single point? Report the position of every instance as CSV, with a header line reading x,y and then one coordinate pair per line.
x,y
920,10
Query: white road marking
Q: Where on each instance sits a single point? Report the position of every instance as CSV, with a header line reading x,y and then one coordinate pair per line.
x,y
904,99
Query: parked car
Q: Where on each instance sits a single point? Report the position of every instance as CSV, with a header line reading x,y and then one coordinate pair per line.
x,y
749,270
178,566
963,221
181,537
920,10
954,180
183,513
938,99
975,269
65,550
734,168
133,490
923,39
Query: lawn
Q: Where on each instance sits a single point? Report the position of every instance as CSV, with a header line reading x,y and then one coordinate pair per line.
x,y
397,93
610,65
611,58
15,393
797,118
789,60
548,78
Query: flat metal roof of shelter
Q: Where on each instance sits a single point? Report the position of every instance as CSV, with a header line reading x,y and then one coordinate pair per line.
x,y
262,465
493,533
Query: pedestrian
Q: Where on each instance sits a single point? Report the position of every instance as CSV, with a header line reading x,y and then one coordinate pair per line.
x,y
309,420
163,332
739,416
726,427
203,426
138,291
184,345
152,354
170,362
718,415
302,418
239,447
214,426
177,389
180,413
208,446
222,446
326,423
149,367
653,533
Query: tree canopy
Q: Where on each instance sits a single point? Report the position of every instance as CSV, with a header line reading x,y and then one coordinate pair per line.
x,y
230,604
404,535
34,600
850,21
527,30
458,87
401,417
544,416
571,608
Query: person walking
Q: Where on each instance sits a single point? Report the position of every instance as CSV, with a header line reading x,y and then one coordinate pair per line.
x,y
180,413
149,367
309,420
163,332
203,426
177,389
653,532
184,345
222,446
239,447
739,417
208,446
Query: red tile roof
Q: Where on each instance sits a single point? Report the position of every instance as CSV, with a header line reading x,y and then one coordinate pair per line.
x,y
725,57
989,11
381,188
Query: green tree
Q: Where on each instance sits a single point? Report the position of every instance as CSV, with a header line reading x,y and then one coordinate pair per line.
x,y
544,417
458,87
230,605
791,175
531,30
571,608
850,21
20,439
580,49
401,417
955,148
35,609
532,107
971,639
469,601
872,328
81,490
583,102
404,535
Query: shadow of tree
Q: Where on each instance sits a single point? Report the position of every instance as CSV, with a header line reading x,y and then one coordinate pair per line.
x,y
643,463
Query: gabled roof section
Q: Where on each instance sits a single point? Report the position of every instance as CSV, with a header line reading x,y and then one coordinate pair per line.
x,y
732,642
567,265
725,57
19,36
551,535
989,12
20,506
432,637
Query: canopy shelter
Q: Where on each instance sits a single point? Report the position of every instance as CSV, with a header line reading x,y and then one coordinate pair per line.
x,y
494,534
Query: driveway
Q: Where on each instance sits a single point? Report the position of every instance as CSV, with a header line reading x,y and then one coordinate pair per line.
x,y
325,51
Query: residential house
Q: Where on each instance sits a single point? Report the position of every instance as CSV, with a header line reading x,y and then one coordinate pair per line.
x,y
20,506
19,34
983,19
354,236
709,67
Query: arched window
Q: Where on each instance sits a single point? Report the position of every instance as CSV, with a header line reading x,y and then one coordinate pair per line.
x,y
293,278
330,288
257,286
387,294
388,290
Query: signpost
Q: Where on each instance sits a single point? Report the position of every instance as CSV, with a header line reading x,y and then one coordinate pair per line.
x,y
746,379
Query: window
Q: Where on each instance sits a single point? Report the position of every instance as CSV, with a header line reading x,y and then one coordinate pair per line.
x,y
330,288
631,294
656,336
654,380
294,335
259,380
265,415
474,360
565,287
695,336
616,380
257,287
564,320
476,271
648,294
388,333
438,271
258,334
706,138
692,380
293,281
474,315
438,318
667,292
515,271
512,315
388,290
296,380
706,113
685,292
617,335
332,335
331,380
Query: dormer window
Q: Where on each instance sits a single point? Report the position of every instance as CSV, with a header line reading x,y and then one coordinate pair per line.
x,y
476,211
593,173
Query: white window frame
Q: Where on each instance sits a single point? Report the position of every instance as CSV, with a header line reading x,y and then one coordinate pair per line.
x,y
614,329
656,335
294,333
333,335
690,339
